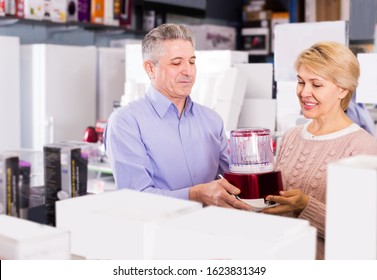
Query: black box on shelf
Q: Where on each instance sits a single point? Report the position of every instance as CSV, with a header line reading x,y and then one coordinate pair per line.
x,y
66,175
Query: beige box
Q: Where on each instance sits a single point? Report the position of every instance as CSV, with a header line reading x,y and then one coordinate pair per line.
x,y
222,233
24,240
119,224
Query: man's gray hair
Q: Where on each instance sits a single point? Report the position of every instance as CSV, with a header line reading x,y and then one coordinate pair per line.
x,y
152,47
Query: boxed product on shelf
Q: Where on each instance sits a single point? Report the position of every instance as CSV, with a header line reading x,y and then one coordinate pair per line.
x,y
24,188
9,179
83,10
34,9
25,240
66,174
23,176
97,11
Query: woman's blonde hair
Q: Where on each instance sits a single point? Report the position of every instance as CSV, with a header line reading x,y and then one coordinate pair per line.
x,y
335,62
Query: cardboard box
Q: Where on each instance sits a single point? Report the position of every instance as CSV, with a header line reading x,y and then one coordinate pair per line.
x,y
222,233
351,209
119,224
25,240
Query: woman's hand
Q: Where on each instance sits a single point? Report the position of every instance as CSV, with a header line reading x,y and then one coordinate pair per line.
x,y
292,200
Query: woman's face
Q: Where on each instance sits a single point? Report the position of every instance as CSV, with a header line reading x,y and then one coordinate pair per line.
x,y
318,97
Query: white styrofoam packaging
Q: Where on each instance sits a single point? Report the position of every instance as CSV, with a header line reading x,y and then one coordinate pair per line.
x,y
230,90
351,209
258,112
222,233
25,240
118,224
10,108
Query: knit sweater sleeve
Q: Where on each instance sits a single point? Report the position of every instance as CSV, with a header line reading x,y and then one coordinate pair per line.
x,y
315,213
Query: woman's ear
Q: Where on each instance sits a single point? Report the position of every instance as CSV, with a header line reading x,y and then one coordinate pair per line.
x,y
342,93
149,68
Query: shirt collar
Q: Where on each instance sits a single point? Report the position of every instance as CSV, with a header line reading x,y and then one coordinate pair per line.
x,y
162,104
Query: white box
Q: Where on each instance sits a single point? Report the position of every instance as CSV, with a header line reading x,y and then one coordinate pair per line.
x,y
111,79
222,233
34,9
367,88
220,84
58,10
259,79
229,94
25,240
117,225
58,93
256,112
292,38
351,209
10,109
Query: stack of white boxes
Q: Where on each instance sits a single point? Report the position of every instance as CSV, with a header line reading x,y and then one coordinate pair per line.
x,y
258,107
131,225
220,85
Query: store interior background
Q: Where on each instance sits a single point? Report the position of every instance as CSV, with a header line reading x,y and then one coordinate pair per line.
x,y
361,17
43,38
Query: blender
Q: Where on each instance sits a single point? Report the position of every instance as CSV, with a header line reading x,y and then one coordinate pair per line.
x,y
251,164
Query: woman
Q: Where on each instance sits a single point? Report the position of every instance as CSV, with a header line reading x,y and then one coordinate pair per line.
x,y
327,77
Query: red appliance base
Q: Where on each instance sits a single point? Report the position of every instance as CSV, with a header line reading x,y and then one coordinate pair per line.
x,y
258,185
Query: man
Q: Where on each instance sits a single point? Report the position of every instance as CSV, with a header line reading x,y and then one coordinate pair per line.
x,y
165,143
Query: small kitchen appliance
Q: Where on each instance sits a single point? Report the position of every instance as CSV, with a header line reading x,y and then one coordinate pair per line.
x,y
251,163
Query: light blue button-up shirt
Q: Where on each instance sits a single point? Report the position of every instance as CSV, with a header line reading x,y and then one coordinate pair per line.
x,y
151,149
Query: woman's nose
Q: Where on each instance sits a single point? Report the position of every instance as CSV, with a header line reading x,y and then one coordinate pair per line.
x,y
305,90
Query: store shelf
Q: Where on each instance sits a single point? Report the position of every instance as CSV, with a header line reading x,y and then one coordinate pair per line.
x,y
12,20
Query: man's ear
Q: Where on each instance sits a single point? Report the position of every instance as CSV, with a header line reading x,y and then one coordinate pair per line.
x,y
149,68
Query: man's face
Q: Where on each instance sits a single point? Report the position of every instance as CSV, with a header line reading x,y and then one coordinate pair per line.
x,y
174,74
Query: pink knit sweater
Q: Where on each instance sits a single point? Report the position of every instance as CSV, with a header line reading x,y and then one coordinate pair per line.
x,y
303,163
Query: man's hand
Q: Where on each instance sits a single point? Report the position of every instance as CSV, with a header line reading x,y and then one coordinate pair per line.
x,y
218,192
